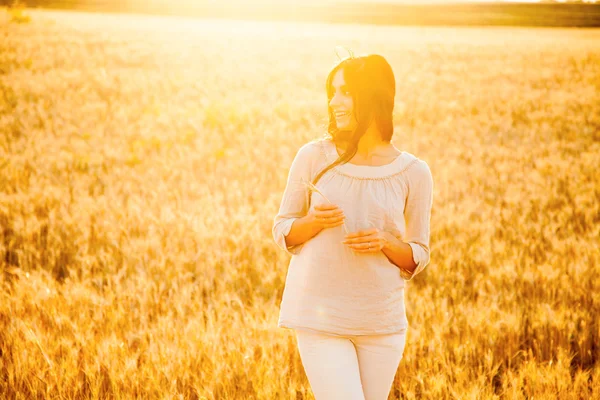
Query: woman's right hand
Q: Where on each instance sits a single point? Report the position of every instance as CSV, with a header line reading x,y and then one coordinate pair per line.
x,y
327,216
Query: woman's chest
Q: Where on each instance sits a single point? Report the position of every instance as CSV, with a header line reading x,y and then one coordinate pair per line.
x,y
366,202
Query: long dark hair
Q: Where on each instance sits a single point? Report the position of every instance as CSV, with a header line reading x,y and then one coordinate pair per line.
x,y
372,85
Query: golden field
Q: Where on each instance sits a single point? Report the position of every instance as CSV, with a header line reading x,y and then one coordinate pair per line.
x,y
142,160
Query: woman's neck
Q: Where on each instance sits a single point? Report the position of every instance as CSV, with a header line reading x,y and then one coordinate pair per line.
x,y
370,143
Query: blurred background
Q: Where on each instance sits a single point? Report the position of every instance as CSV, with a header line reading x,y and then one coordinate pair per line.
x,y
144,150
580,13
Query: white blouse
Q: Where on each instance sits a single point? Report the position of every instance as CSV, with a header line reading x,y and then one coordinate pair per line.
x,y
330,288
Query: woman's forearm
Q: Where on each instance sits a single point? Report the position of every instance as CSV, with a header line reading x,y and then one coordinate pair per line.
x,y
303,229
399,253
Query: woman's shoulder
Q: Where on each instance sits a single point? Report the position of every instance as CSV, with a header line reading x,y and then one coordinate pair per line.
x,y
312,150
413,161
417,167
314,145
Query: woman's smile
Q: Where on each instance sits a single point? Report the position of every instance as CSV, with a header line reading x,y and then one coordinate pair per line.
x,y
341,114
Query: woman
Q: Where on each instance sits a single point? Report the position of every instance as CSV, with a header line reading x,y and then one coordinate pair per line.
x,y
355,217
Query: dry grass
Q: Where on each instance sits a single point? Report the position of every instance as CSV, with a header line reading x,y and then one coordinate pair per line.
x,y
16,10
142,161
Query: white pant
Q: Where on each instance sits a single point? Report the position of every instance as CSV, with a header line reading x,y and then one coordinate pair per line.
x,y
350,367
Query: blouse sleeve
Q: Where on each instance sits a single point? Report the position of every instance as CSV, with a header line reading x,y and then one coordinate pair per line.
x,y
294,203
417,214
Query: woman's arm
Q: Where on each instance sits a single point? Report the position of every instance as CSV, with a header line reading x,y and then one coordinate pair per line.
x,y
417,215
294,204
411,252
374,240
302,230
295,223
400,254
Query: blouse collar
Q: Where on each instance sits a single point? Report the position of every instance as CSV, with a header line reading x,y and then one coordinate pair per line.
x,y
400,163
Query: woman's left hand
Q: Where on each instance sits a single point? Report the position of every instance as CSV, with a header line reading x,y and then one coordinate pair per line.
x,y
367,241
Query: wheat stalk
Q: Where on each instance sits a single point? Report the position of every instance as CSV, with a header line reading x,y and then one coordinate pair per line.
x,y
311,187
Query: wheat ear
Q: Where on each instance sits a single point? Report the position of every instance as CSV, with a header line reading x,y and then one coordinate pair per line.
x,y
313,188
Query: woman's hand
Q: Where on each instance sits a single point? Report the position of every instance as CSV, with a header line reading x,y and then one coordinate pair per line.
x,y
367,241
327,216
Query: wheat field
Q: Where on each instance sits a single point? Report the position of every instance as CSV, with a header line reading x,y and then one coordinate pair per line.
x,y
142,160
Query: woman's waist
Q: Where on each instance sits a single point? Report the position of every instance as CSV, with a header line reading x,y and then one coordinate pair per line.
x,y
351,273
358,310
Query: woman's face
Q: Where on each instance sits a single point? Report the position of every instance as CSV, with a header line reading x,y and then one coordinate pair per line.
x,y
342,104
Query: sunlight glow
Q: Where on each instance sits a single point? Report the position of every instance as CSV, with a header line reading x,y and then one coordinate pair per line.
x,y
416,2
